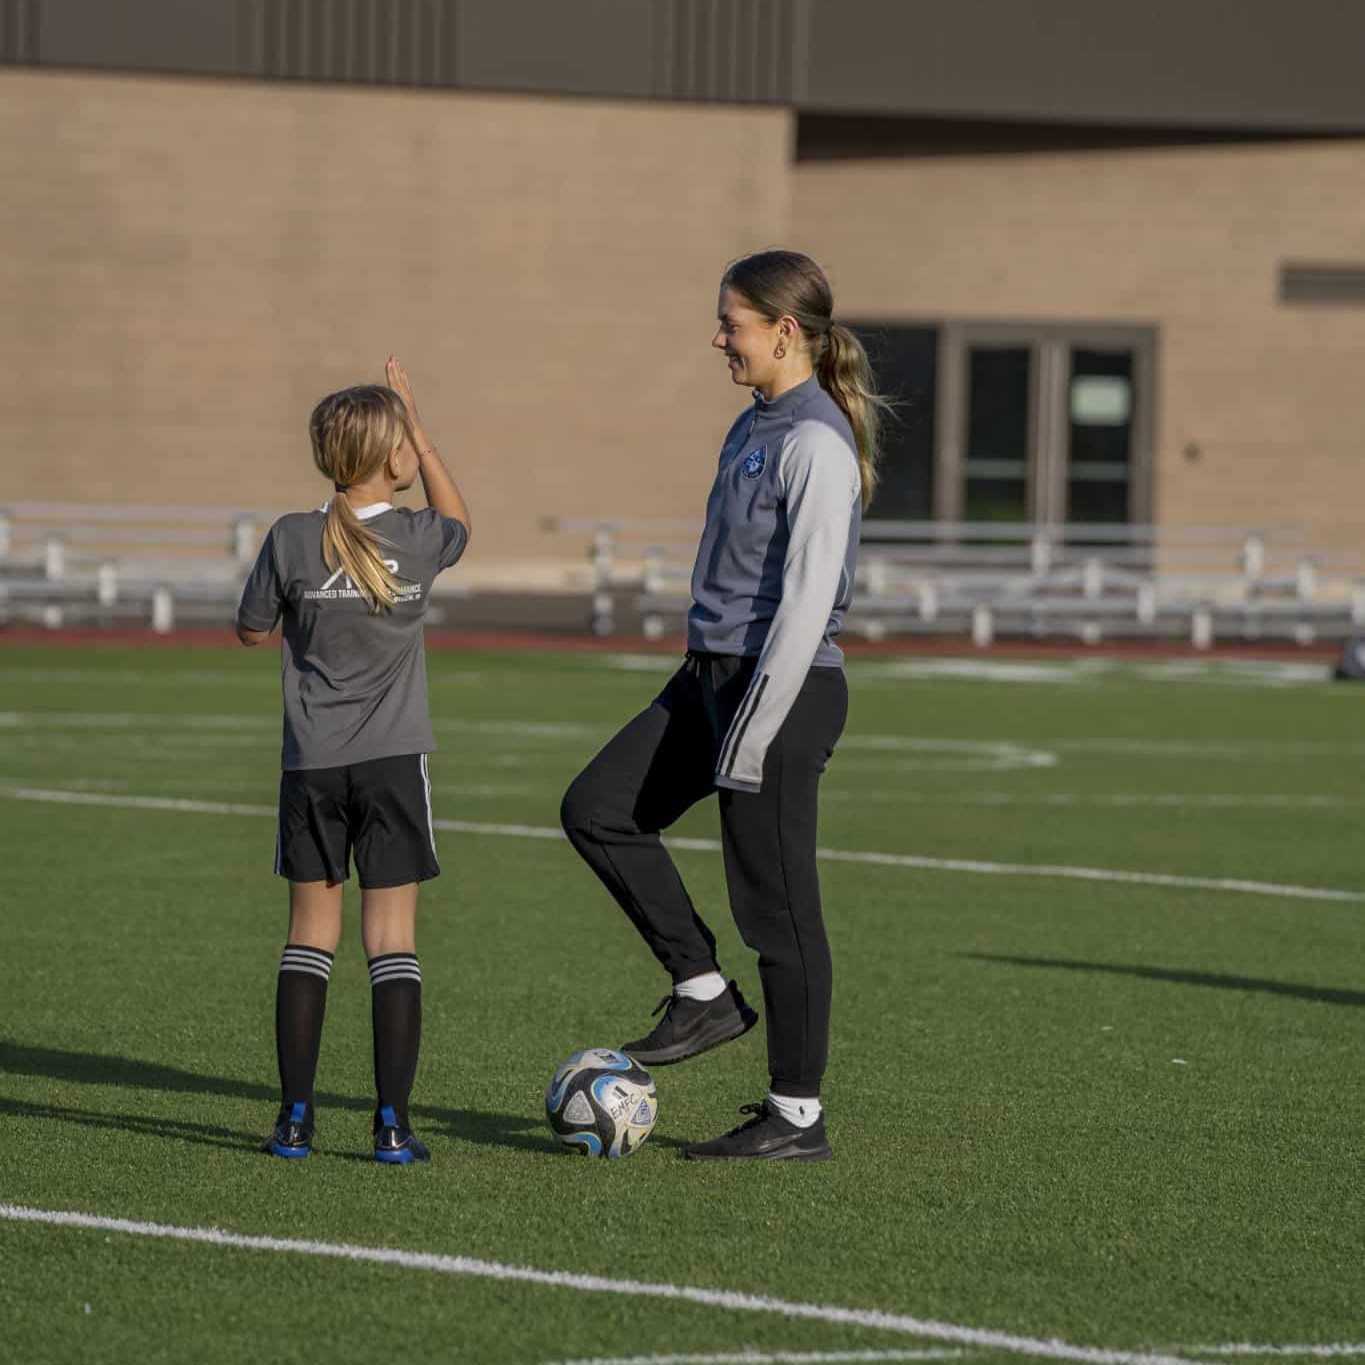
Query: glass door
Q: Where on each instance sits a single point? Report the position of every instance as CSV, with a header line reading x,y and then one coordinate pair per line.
x,y
1044,423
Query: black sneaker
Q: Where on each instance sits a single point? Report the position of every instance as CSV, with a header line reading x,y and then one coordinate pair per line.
x,y
395,1143
765,1137
691,1027
293,1135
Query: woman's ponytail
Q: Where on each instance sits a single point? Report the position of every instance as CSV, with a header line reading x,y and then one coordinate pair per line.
x,y
846,375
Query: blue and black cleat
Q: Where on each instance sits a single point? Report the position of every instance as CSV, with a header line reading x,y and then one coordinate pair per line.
x,y
293,1135
395,1143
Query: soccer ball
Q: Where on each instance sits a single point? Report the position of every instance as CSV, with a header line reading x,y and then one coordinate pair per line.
x,y
600,1103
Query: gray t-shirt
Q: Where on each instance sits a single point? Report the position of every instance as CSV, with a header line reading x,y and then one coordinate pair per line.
x,y
355,681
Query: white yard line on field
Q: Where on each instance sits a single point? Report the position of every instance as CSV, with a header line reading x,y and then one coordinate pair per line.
x,y
926,750
148,746
1049,1349
833,855
1229,801
270,724
750,1357
1214,748
958,755
130,802
1253,747
1235,672
110,677
1106,672
1249,1348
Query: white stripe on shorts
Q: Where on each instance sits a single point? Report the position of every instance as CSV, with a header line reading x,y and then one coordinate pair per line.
x,y
426,786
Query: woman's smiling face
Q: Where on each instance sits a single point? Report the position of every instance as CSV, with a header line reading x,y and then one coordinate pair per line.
x,y
748,340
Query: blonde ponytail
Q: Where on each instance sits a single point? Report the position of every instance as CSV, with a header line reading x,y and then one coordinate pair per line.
x,y
846,375
350,545
353,432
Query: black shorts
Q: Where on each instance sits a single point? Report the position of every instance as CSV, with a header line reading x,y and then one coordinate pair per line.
x,y
380,810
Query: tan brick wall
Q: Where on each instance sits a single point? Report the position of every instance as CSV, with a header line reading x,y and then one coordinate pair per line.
x,y
1186,240
186,266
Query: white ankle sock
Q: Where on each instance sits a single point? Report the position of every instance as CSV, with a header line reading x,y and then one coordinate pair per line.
x,y
795,1109
707,986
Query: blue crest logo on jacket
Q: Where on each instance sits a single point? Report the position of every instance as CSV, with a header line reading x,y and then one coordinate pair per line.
x,y
754,462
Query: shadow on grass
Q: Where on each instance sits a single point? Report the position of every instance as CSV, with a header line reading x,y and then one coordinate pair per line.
x,y
1327,994
97,1068
205,1134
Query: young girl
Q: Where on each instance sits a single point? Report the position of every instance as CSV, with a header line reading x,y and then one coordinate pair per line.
x,y
349,583
757,706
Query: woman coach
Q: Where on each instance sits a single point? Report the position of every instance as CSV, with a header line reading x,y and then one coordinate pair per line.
x,y
757,706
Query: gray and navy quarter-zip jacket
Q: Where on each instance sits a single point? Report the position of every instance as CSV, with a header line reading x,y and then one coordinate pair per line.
x,y
774,571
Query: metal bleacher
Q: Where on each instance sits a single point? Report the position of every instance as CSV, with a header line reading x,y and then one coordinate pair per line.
x,y
987,581
68,564
109,565
74,564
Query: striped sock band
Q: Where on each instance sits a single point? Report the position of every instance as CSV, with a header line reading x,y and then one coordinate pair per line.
x,y
310,961
394,967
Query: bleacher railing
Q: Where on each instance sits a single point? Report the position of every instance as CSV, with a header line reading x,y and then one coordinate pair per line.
x,y
77,563
989,580
71,564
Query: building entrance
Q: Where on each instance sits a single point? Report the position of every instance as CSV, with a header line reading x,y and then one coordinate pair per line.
x,y
1043,424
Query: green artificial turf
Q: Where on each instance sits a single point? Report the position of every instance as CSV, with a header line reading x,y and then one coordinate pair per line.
x,y
1128,1116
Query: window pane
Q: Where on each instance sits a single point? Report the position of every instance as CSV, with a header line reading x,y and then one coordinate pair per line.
x,y
1101,435
997,433
1104,502
904,361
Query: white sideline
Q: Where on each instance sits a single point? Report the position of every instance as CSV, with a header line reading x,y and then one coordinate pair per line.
x,y
1248,1348
750,1357
1172,800
1050,1349
833,855
1033,752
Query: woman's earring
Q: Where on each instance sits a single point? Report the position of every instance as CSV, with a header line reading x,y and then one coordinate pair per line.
x,y
780,352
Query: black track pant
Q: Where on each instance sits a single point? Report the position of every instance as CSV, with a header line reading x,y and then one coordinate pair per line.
x,y
661,763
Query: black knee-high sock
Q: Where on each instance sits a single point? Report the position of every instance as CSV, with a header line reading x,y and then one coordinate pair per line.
x,y
396,997
300,1002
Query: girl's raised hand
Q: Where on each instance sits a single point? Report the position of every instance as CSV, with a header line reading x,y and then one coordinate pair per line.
x,y
397,379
